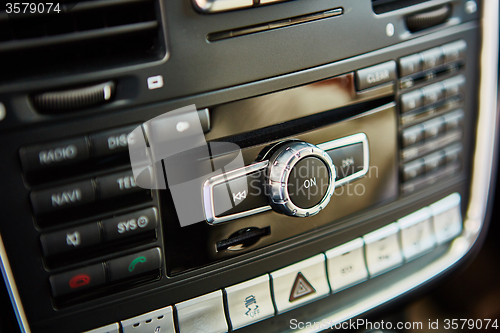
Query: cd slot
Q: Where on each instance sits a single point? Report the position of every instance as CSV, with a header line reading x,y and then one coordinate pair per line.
x,y
216,36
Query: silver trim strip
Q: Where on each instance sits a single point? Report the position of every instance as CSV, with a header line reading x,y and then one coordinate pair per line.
x,y
480,184
208,199
12,289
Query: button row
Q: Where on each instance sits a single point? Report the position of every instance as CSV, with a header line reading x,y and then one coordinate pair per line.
x,y
433,93
432,128
306,281
75,150
93,234
432,58
94,276
432,162
85,192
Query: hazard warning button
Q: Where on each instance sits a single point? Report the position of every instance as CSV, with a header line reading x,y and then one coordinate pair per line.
x,y
300,283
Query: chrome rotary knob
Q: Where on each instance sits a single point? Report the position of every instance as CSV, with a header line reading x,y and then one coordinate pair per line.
x,y
301,179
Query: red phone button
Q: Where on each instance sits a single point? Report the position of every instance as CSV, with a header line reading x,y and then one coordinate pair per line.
x,y
79,281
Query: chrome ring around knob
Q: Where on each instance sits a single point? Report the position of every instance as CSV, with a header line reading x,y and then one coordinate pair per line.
x,y
281,166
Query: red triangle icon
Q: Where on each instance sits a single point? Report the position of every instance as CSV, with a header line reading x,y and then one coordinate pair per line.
x,y
301,287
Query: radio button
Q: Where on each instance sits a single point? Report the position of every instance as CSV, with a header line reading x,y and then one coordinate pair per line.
x,y
134,264
129,225
454,51
119,184
70,239
110,142
411,101
347,160
410,65
382,249
413,135
432,58
77,280
55,154
63,197
375,75
433,93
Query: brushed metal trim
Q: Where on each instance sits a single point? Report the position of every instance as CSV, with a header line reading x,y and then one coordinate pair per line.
x,y
480,183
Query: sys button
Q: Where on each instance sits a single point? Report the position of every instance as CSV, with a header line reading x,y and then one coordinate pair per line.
x,y
129,225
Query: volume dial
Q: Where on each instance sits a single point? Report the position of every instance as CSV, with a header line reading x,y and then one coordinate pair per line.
x,y
301,179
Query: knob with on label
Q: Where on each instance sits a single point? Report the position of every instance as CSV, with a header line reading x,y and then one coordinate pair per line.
x,y
301,179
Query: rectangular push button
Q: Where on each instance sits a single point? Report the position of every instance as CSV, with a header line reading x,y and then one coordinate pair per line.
x,y
410,65
120,184
346,265
249,302
300,283
432,58
202,314
54,154
347,160
77,280
113,328
411,101
447,218
71,239
130,225
63,197
382,249
111,142
454,51
158,321
239,195
375,75
417,236
134,264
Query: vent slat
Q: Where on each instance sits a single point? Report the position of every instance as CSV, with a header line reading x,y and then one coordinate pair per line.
x,y
92,35
77,36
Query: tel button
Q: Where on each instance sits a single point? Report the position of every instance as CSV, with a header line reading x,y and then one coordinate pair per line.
x,y
119,184
54,154
132,224
70,239
77,280
134,264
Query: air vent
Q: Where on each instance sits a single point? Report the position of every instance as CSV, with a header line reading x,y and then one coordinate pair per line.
x,y
84,36
384,6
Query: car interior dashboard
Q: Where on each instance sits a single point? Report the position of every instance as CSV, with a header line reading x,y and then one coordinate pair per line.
x,y
214,166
